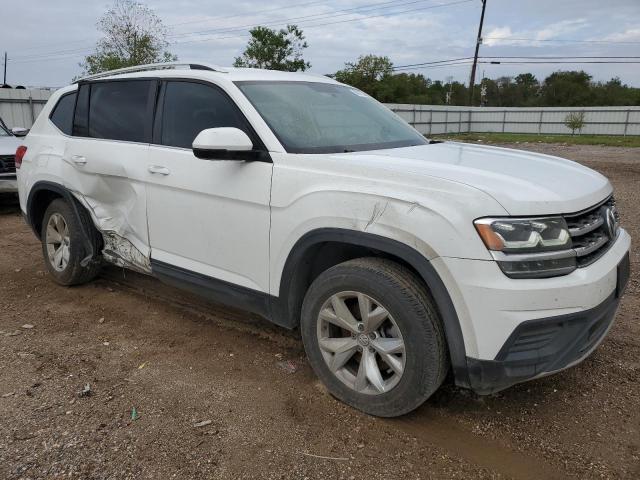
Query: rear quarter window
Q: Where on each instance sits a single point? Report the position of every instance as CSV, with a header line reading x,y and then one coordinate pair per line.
x,y
62,113
120,110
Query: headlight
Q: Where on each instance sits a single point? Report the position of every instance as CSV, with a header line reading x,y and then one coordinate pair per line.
x,y
529,247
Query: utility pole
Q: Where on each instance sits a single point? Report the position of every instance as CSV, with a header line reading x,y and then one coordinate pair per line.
x,y
135,48
472,80
450,92
5,69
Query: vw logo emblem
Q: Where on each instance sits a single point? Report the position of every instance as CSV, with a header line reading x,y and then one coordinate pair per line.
x,y
611,221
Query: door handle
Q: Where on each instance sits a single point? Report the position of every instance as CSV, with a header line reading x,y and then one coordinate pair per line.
x,y
158,169
78,159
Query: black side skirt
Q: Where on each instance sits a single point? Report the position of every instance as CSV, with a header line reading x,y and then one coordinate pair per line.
x,y
214,289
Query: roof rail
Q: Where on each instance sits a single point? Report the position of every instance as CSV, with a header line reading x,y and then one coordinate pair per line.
x,y
155,66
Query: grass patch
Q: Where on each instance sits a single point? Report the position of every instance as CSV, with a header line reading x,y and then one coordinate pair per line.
x,y
607,140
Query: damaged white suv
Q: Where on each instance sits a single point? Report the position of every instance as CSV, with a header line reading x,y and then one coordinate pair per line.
x,y
306,201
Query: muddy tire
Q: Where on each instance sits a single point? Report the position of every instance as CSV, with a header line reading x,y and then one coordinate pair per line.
x,y
64,245
373,336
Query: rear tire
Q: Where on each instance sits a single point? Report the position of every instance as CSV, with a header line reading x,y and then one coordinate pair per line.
x,y
387,364
64,245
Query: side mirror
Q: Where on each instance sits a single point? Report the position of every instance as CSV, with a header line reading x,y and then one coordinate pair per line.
x,y
224,143
19,131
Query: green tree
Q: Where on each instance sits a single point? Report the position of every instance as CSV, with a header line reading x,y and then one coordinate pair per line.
x,y
528,88
403,88
366,73
375,75
567,89
275,50
615,93
133,35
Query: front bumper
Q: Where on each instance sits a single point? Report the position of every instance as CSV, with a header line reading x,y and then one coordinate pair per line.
x,y
8,184
518,329
544,346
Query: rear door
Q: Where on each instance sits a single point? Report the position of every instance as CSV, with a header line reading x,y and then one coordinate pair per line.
x,y
206,216
107,162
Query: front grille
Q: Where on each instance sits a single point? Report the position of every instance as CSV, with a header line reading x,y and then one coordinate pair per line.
x,y
7,164
593,231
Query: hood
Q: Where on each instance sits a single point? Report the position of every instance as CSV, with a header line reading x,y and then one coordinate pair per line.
x,y
524,183
8,145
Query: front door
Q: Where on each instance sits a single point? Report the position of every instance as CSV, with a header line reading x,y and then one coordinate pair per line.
x,y
210,217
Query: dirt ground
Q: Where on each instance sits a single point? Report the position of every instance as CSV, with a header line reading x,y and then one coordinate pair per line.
x,y
221,394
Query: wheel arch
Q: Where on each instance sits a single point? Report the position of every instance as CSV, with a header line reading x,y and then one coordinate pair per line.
x,y
323,248
40,197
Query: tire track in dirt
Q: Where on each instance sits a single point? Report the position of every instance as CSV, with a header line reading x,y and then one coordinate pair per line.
x,y
459,443
425,425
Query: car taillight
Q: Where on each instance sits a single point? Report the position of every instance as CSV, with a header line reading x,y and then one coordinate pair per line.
x,y
20,155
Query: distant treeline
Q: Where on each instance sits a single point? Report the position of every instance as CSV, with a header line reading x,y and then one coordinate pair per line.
x,y
376,76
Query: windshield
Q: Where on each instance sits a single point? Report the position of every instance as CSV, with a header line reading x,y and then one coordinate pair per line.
x,y
309,117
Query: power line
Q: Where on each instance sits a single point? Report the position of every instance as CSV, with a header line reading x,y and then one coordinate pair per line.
x,y
336,13
562,40
72,42
440,65
252,13
387,14
411,65
320,16
223,30
561,57
498,60
48,54
581,62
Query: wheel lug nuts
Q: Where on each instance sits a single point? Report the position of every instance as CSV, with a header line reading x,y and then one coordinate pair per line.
x,y
372,350
360,327
359,348
372,336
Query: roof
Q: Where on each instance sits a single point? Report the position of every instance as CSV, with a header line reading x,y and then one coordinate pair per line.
x,y
203,70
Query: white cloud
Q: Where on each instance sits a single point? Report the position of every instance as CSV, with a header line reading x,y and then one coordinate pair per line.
x,y
629,35
497,36
506,36
559,29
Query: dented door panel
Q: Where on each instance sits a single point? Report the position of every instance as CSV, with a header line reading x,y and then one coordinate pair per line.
x,y
108,183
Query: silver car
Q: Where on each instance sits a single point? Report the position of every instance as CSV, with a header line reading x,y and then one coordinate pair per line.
x,y
9,142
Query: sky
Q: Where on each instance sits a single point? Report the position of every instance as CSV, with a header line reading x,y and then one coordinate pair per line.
x,y
46,40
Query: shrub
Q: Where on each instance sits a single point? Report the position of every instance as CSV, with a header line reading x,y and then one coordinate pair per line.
x,y
574,121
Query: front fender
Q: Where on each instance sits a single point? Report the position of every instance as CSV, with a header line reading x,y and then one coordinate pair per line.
x,y
282,309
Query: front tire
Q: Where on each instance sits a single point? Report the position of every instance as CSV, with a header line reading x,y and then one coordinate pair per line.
x,y
64,245
373,336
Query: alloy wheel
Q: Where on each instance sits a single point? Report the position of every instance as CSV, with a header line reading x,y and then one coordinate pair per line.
x,y
361,343
58,242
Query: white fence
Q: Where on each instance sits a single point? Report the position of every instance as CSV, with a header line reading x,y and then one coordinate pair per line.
x,y
432,119
19,108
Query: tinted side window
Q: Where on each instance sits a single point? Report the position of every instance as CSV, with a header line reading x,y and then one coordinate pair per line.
x,y
120,110
190,108
81,116
62,114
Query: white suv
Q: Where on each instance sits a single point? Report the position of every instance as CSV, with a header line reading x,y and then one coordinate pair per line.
x,y
304,200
